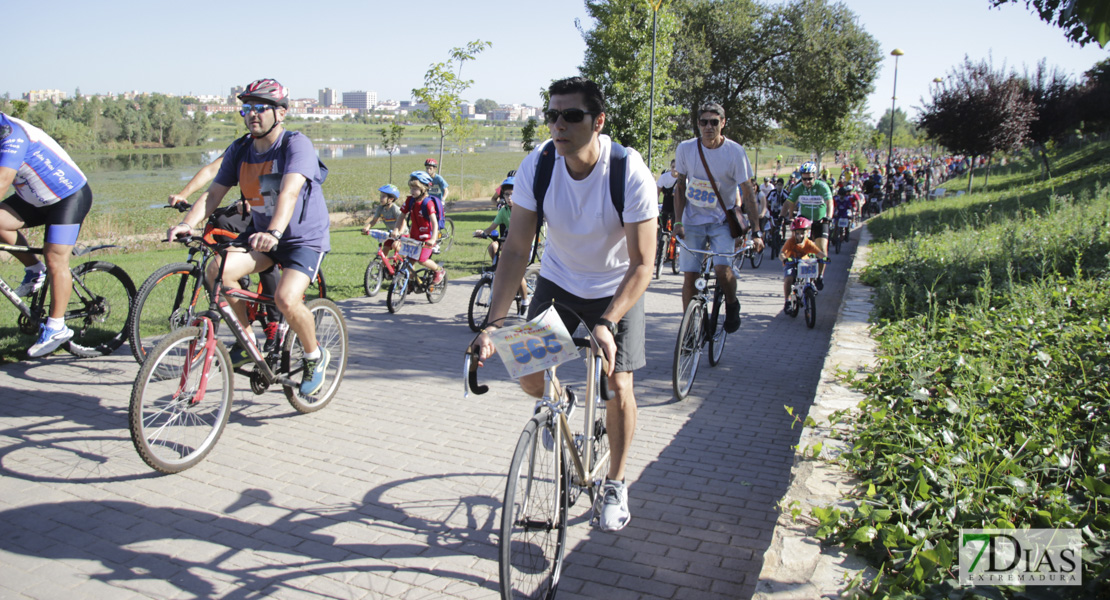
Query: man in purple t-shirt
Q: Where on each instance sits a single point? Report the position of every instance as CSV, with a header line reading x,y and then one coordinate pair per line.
x,y
280,177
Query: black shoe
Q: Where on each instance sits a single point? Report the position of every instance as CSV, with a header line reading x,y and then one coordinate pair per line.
x,y
820,283
789,305
732,316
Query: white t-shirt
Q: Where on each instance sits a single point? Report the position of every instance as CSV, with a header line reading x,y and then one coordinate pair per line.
x,y
586,252
730,167
666,180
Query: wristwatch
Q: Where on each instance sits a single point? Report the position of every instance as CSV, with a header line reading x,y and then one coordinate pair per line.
x,y
611,326
276,233
757,234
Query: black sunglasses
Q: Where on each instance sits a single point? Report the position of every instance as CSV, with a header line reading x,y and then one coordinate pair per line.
x,y
570,115
713,122
807,179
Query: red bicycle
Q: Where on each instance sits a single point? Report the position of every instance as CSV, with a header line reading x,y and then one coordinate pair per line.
x,y
381,266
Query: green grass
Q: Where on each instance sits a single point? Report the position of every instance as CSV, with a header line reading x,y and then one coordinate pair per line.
x,y
989,405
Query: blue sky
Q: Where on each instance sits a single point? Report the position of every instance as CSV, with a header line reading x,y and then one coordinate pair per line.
x,y
205,48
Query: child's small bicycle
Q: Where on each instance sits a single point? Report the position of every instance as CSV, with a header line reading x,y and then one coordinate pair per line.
x,y
381,267
413,279
803,296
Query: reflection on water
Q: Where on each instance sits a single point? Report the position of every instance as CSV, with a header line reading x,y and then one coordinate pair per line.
x,y
190,161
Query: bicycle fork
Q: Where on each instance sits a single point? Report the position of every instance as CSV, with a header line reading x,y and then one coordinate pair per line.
x,y
208,334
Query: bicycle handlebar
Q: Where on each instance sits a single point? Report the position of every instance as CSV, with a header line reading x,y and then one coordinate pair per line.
x,y
742,249
470,367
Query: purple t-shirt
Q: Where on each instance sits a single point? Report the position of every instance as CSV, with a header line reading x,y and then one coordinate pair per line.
x,y
258,176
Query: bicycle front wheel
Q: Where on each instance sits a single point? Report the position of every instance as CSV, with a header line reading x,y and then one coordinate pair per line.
x,y
477,313
756,258
811,307
173,425
534,514
99,308
837,238
331,335
398,289
673,251
718,335
687,349
372,280
661,253
166,301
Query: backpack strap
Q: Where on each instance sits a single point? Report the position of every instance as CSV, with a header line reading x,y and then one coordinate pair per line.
x,y
618,168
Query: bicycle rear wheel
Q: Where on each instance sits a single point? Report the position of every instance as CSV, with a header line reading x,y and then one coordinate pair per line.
x,y
687,349
718,335
171,428
372,280
477,313
99,308
166,302
534,514
398,290
331,334
436,291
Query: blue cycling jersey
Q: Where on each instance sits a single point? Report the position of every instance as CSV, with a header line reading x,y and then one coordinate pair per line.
x,y
45,174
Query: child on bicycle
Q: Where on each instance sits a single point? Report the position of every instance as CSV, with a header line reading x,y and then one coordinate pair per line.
x,y
387,212
796,247
421,210
499,228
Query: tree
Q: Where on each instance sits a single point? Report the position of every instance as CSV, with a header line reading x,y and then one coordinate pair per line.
x,y
618,58
834,70
979,111
1084,21
1093,95
391,137
906,133
528,135
485,106
443,87
1054,98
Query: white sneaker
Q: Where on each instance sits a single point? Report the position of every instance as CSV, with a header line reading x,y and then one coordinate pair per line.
x,y
611,508
49,340
32,281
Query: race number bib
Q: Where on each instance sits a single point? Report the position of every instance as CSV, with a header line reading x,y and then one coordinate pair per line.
x,y
699,192
845,222
531,347
409,248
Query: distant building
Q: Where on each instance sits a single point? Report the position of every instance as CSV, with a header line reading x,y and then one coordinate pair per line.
x,y
360,100
35,96
235,91
329,97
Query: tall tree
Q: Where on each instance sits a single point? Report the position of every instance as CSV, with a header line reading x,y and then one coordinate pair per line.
x,y
1054,98
978,111
618,58
443,88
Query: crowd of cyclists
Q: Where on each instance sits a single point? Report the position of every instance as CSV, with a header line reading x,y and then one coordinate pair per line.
x,y
599,266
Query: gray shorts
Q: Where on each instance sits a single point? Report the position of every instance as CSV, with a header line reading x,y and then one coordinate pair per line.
x,y
630,338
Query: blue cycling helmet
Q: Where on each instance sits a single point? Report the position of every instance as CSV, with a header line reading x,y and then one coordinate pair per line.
x,y
808,167
508,181
421,176
391,190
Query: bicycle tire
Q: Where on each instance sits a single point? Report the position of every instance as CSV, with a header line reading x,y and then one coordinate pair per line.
x,y
674,252
534,515
398,290
477,313
601,445
318,288
436,291
331,333
717,333
687,350
837,239
169,431
810,307
165,302
447,235
372,280
660,253
99,309
756,258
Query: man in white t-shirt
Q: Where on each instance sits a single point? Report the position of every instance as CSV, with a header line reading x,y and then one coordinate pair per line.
x,y
699,218
591,263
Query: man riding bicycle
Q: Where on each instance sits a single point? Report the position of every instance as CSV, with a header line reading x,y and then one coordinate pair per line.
x,y
49,190
812,199
596,267
438,187
279,175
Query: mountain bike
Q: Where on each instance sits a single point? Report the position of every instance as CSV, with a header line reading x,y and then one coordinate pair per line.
x,y
841,226
774,236
665,248
477,312
699,326
181,398
803,294
543,484
381,267
171,296
98,306
413,279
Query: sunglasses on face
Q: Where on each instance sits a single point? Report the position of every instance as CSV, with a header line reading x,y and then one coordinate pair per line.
x,y
257,108
713,122
570,115
807,179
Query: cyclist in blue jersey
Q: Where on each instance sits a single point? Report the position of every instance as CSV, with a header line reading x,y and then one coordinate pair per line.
x,y
439,184
49,190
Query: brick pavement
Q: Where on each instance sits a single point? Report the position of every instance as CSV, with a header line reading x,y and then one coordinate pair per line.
x,y
393,491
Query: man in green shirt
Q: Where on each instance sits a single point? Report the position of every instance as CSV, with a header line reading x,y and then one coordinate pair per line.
x,y
812,199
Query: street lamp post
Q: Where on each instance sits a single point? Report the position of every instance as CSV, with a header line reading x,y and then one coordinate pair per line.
x,y
893,101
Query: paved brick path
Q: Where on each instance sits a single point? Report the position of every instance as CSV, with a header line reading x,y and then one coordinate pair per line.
x,y
393,491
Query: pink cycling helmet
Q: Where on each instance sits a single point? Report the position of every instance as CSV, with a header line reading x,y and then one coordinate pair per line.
x,y
267,89
800,223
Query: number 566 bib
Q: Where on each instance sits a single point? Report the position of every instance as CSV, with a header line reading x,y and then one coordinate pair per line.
x,y
539,344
